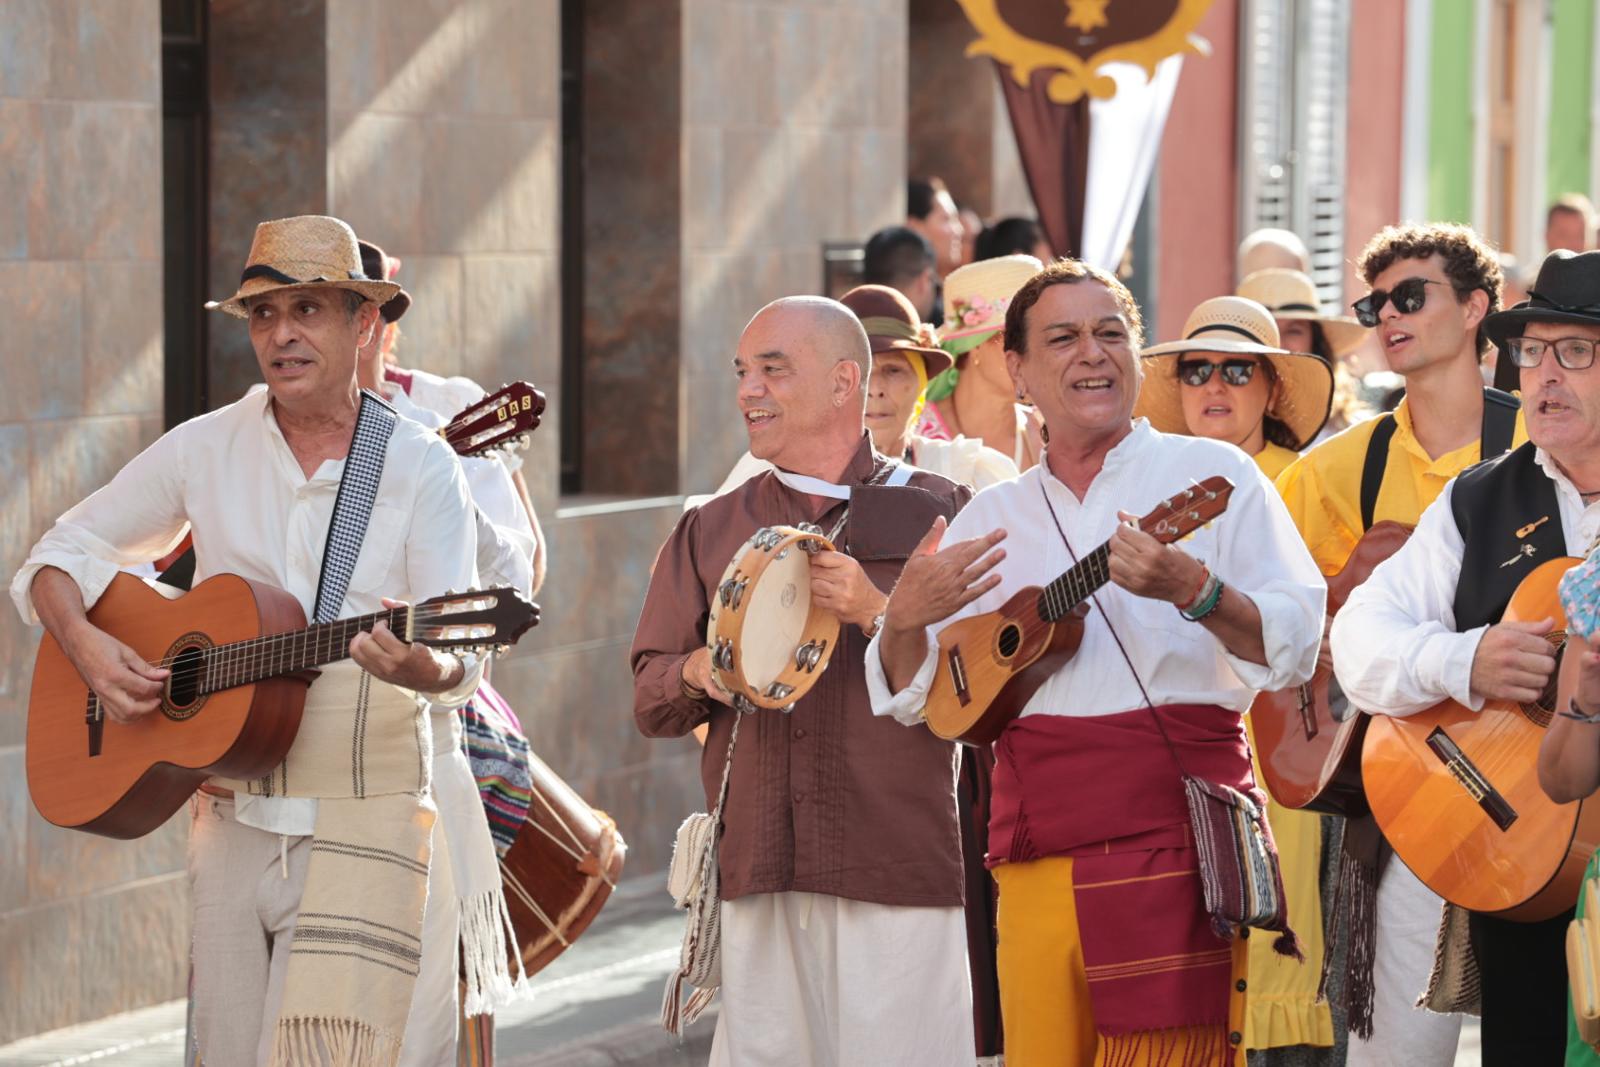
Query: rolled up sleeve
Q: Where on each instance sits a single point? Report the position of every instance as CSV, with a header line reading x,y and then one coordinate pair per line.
x,y
906,705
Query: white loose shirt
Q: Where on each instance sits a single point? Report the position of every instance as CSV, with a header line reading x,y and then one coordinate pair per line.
x,y
1252,546
1395,646
231,477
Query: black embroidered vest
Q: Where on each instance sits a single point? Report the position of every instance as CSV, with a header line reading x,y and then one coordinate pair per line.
x,y
1496,505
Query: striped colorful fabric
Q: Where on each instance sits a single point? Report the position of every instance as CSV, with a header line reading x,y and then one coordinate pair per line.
x,y
499,756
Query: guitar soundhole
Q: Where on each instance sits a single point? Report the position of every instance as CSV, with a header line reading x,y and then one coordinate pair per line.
x,y
183,688
1010,640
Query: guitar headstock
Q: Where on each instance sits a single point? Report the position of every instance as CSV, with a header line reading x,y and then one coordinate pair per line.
x,y
1182,513
503,419
477,620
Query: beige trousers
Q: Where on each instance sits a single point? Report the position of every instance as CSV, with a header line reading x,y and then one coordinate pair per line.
x,y
245,886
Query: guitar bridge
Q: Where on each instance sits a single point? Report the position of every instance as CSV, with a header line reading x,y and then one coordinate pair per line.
x,y
95,719
958,676
1472,780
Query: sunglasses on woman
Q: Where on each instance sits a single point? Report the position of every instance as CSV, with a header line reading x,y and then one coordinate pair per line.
x,y
1408,296
1235,372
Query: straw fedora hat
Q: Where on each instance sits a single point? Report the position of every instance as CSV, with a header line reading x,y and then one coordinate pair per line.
x,y
376,263
1291,294
1236,325
893,325
976,297
300,251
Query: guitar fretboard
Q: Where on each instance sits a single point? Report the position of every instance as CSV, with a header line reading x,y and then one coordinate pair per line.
x,y
1076,585
273,656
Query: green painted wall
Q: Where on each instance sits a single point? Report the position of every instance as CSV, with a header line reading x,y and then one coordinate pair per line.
x,y
1451,89
1571,78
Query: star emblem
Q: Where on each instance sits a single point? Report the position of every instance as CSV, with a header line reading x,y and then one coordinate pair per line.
x,y
1087,15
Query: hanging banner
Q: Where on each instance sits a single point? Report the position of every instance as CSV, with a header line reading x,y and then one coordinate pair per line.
x,y
1074,39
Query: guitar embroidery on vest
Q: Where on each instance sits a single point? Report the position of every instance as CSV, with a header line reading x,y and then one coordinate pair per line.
x,y
1523,533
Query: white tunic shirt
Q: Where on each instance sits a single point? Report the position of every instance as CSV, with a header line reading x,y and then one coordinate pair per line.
x,y
231,476
1252,546
1395,646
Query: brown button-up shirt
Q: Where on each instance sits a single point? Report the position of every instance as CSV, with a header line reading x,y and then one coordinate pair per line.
x,y
829,798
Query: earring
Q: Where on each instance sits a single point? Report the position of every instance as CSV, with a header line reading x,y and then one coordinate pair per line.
x,y
838,402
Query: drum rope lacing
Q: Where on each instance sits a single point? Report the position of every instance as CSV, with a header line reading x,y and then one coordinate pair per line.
x,y
575,850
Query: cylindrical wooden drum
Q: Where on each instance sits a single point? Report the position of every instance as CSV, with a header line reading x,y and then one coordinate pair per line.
x,y
769,643
560,870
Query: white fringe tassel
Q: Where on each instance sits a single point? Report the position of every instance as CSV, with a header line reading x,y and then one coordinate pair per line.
x,y
486,940
332,1043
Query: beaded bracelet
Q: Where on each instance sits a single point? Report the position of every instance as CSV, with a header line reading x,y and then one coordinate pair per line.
x,y
1210,598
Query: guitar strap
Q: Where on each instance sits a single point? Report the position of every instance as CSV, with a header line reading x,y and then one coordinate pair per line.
x,y
1498,430
352,507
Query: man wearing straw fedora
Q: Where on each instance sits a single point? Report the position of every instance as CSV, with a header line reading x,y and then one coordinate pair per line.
x,y
1431,288
1427,626
320,853
1107,951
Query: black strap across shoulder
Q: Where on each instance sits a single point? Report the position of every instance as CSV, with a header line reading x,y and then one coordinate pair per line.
x,y
352,507
1494,439
1499,423
1372,469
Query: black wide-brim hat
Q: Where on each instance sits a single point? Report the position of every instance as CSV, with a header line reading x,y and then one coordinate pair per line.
x,y
1567,290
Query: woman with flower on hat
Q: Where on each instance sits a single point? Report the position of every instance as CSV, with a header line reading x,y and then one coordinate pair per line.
x,y
977,398
1230,379
1292,298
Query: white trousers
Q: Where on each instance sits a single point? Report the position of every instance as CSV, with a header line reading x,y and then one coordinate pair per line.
x,y
820,981
1403,1035
246,885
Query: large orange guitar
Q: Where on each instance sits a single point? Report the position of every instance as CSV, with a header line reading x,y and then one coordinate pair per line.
x,y
240,655
1309,738
991,664
1457,791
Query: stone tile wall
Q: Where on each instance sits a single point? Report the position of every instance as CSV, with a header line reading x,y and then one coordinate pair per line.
x,y
88,926
794,133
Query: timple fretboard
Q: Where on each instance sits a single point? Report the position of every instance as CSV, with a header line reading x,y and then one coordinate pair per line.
x,y
1076,585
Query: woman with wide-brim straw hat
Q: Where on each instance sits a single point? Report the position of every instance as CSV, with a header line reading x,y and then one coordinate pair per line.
x,y
1292,298
977,398
1230,379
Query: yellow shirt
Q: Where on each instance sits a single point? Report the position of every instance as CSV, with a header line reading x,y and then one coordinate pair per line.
x,y
1322,489
1274,459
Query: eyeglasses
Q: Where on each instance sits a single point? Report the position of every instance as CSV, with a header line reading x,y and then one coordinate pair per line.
x,y
1573,353
1408,296
1235,372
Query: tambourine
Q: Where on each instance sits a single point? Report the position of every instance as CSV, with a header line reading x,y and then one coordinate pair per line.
x,y
769,643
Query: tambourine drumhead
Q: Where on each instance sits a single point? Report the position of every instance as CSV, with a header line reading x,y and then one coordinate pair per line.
x,y
776,612
768,642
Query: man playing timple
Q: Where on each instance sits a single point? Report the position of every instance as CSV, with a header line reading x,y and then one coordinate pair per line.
x,y
1426,626
1090,837
843,939
257,480
1431,288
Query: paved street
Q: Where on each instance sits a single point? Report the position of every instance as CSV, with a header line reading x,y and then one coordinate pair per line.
x,y
596,1005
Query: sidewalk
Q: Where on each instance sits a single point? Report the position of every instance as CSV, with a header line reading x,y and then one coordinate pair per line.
x,y
595,1006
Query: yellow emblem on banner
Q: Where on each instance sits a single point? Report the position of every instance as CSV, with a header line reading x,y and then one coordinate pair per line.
x,y
1076,38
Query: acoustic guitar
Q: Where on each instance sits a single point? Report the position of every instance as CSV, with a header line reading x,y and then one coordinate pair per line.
x,y
1308,738
1457,793
241,656
989,665
503,419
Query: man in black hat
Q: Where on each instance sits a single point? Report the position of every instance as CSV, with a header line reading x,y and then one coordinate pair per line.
x,y
1426,626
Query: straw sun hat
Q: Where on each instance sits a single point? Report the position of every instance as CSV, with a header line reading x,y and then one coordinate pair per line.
x,y
976,297
1234,325
299,251
1291,294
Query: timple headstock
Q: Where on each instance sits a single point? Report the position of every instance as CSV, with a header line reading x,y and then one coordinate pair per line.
x,y
503,419
477,620
1182,513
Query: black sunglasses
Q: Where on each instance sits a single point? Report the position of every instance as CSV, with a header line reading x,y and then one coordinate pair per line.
x,y
1408,296
1235,372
